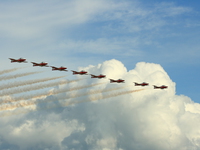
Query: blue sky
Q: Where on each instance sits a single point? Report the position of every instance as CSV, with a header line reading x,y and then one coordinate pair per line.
x,y
156,40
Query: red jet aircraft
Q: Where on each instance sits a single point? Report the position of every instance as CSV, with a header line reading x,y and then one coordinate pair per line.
x,y
79,72
160,87
42,64
20,60
99,76
60,68
141,84
118,81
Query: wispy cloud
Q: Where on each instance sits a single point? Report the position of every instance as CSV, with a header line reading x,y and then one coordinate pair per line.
x,y
94,27
168,9
31,19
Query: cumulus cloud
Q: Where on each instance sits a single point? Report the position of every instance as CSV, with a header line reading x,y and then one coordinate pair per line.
x,y
40,133
150,119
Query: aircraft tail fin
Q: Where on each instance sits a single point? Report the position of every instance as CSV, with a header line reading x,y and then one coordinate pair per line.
x,y
12,60
73,71
111,81
155,87
92,76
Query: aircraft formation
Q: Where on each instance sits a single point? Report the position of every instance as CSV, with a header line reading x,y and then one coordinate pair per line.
x,y
14,95
44,64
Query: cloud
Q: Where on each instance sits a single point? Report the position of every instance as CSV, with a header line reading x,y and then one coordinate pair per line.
x,y
134,16
104,46
150,119
127,29
170,9
40,133
32,19
98,29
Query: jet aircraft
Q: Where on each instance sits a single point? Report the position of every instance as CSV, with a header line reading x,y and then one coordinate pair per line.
x,y
118,81
79,72
99,76
141,84
42,64
20,60
160,87
60,68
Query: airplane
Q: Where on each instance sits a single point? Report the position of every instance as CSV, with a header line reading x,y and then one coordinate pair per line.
x,y
160,87
20,60
42,64
79,72
118,81
60,68
99,76
141,84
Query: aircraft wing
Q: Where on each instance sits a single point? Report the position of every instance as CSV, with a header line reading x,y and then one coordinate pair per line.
x,y
93,76
53,67
12,59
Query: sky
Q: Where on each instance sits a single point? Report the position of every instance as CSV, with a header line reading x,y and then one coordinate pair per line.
x,y
155,41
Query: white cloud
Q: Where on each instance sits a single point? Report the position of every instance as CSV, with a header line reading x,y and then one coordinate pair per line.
x,y
101,28
170,9
31,19
104,46
132,121
151,119
133,16
40,132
